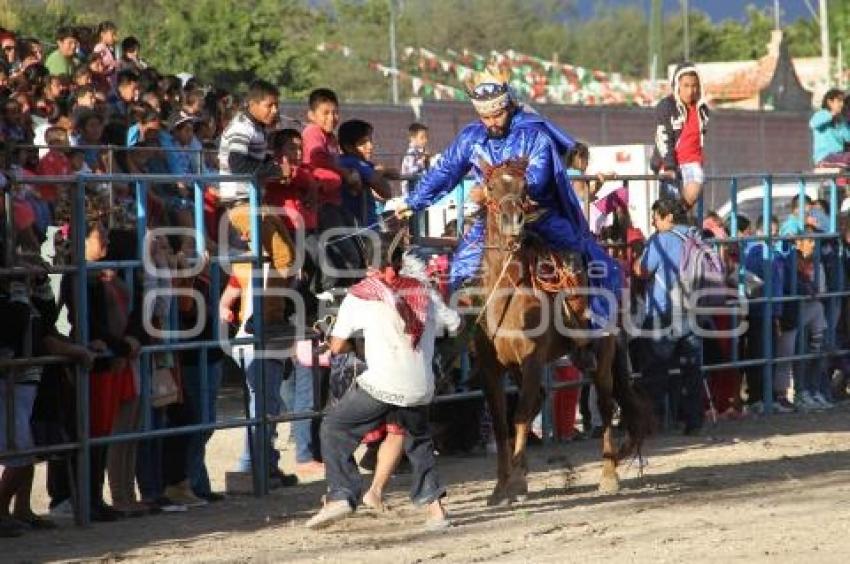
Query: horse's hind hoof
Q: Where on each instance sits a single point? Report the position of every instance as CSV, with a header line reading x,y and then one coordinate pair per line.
x,y
609,485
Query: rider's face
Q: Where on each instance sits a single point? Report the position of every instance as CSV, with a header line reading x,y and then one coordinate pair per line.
x,y
497,122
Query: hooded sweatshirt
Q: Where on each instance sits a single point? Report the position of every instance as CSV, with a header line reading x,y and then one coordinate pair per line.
x,y
672,118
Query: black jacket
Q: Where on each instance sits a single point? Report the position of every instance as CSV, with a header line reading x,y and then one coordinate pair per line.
x,y
670,116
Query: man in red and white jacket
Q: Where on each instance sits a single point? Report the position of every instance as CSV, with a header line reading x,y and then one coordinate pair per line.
x,y
681,125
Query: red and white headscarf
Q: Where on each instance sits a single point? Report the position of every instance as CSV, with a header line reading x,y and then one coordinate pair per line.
x,y
408,296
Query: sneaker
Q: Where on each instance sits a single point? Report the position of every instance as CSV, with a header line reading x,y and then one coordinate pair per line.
x,y
806,402
782,405
312,468
278,478
104,514
821,399
212,497
330,513
170,506
62,510
181,494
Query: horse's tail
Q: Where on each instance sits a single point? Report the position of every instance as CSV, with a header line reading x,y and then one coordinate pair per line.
x,y
636,413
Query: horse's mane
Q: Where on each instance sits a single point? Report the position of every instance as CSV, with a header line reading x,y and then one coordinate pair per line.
x,y
513,167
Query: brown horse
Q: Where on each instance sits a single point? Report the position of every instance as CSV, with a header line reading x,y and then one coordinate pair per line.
x,y
517,334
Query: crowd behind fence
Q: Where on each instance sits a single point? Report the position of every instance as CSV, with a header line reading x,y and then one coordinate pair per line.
x,y
79,268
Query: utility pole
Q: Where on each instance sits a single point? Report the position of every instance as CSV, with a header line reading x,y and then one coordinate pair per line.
x,y
824,41
685,25
655,26
393,54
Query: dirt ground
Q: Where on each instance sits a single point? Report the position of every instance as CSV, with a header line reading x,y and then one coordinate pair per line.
x,y
774,489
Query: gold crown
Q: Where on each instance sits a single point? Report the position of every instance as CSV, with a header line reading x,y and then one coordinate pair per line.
x,y
490,75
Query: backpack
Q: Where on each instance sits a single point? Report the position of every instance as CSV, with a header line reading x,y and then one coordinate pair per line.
x,y
700,269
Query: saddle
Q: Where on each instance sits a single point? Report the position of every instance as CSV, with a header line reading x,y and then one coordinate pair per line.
x,y
555,272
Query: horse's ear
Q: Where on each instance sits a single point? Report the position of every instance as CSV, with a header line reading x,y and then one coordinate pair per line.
x,y
485,167
522,163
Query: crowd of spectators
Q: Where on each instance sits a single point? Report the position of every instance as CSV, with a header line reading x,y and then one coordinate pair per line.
x,y
93,106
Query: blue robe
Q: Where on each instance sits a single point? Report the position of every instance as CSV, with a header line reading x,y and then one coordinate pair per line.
x,y
562,224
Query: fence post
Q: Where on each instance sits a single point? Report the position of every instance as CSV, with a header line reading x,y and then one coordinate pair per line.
x,y
768,254
734,228
260,464
200,237
81,331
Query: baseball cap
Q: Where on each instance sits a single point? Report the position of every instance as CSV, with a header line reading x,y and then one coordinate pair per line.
x,y
179,118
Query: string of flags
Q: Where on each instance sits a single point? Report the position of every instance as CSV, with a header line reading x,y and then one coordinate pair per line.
x,y
533,78
420,86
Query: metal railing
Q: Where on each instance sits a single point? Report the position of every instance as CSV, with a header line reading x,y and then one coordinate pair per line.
x,y
261,422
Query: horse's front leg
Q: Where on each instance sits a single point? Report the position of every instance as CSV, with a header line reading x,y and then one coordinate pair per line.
x,y
492,373
604,382
528,405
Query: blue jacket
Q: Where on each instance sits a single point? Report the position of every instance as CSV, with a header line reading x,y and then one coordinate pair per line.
x,y
757,263
828,136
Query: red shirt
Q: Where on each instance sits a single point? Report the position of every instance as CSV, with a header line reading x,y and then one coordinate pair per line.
x,y
292,198
54,163
320,153
689,145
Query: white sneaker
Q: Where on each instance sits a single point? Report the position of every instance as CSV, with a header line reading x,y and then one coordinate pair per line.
x,y
755,408
807,402
825,403
63,511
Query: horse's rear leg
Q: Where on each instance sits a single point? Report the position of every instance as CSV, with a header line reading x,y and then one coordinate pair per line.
x,y
604,382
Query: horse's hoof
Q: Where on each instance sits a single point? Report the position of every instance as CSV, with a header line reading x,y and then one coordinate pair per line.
x,y
498,499
609,485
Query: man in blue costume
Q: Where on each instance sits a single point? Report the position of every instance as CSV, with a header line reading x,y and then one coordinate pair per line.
x,y
509,131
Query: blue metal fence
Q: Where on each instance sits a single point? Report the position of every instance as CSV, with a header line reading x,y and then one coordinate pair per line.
x,y
260,422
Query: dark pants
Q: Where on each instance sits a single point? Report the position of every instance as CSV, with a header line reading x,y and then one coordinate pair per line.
x,y
344,253
755,351
683,391
345,425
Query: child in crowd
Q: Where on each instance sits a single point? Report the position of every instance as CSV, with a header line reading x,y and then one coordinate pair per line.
x,y
595,211
29,311
359,199
131,57
244,150
758,261
240,290
321,154
417,159
804,278
54,163
107,34
113,391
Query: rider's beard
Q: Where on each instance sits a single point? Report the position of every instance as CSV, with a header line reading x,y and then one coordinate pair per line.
x,y
496,132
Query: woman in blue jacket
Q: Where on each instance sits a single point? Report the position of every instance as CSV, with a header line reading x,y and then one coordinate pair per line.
x,y
830,132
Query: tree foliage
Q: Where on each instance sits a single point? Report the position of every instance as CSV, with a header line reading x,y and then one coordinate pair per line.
x,y
230,41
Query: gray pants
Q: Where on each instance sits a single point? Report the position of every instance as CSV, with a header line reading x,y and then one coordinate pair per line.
x,y
807,373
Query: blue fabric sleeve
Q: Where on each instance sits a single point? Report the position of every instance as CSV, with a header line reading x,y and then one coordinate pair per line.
x,y
448,173
538,175
820,119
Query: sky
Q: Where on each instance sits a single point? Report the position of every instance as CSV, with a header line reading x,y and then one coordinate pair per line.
x,y
717,9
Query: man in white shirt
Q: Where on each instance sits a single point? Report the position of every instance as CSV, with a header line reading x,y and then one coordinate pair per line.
x,y
396,316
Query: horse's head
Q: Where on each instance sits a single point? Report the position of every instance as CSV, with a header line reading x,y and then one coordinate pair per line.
x,y
505,196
